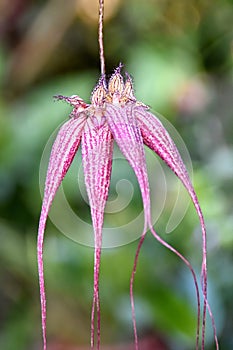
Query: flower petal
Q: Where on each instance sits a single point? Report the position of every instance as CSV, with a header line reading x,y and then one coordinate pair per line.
x,y
128,137
125,129
97,149
156,137
62,154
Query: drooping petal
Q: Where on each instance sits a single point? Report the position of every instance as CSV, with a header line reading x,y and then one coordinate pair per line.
x,y
125,129
129,140
128,137
97,148
62,154
156,137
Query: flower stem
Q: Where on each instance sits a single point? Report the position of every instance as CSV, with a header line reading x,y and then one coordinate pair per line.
x,y
100,37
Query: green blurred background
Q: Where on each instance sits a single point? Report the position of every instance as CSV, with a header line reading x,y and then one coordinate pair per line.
x,y
180,54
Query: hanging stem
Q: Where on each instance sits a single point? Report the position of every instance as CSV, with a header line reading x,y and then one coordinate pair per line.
x,y
100,37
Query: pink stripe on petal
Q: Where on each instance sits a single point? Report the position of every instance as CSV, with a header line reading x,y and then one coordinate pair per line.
x,y
156,137
128,137
125,129
62,154
97,149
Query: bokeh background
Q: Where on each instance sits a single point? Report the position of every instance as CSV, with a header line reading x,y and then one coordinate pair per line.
x,y
180,54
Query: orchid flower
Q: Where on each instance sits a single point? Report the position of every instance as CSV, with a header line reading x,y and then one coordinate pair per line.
x,y
115,114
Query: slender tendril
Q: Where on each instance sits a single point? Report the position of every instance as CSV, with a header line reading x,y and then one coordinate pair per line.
x,y
100,37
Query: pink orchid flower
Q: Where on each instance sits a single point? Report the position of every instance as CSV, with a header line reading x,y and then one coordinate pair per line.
x,y
114,114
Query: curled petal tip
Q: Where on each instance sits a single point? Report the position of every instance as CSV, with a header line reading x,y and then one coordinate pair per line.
x,y
128,76
118,69
59,97
73,100
143,105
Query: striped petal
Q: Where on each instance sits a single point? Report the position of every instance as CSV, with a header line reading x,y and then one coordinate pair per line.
x,y
62,154
128,137
157,138
127,133
97,148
